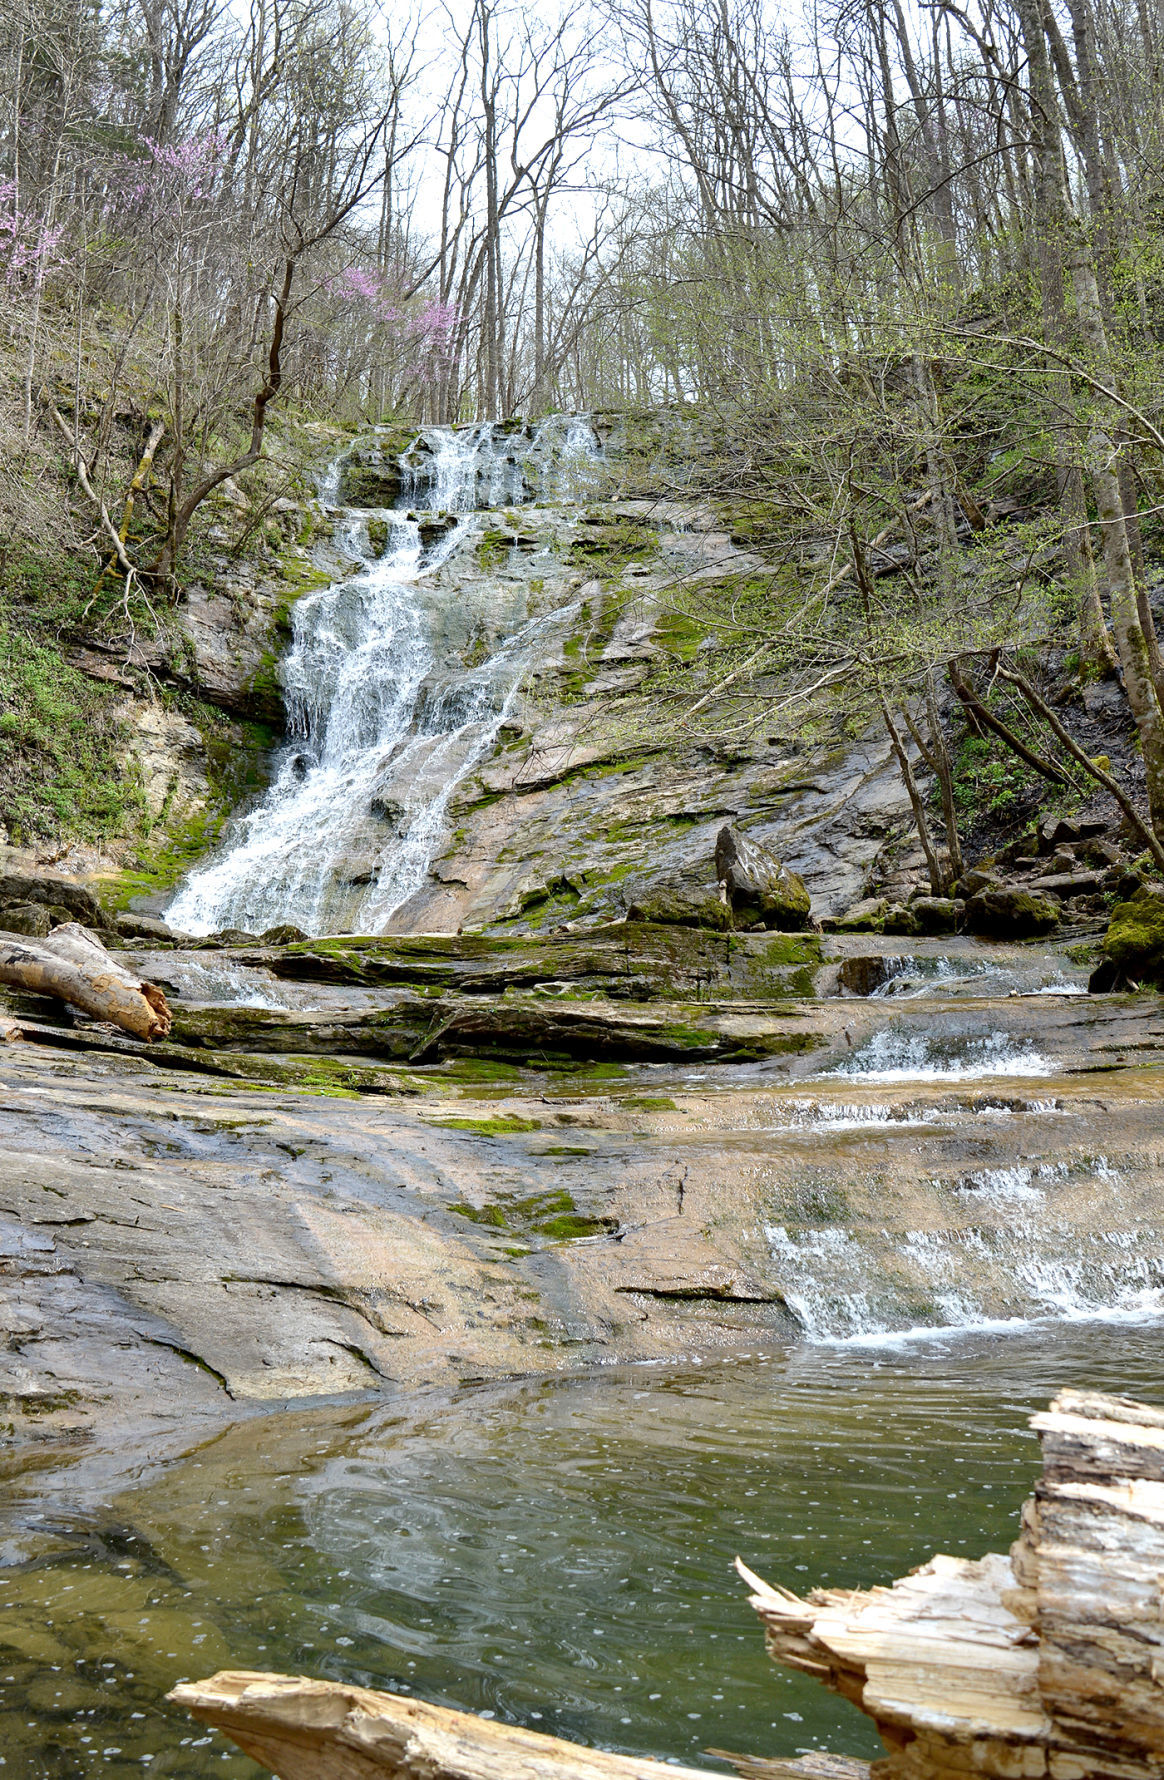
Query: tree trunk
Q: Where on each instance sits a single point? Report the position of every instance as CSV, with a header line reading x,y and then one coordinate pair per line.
x,y
917,803
72,965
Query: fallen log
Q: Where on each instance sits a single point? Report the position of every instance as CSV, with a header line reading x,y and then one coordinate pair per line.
x,y
1049,1661
323,1730
72,965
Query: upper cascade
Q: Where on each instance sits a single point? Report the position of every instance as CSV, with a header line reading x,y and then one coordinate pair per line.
x,y
398,678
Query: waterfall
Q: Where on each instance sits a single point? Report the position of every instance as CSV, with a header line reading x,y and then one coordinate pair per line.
x,y
384,720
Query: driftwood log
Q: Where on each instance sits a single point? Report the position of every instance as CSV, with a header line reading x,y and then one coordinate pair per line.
x,y
1047,1662
72,965
322,1730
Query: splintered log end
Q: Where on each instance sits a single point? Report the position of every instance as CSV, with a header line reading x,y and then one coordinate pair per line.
x,y
817,1766
10,1031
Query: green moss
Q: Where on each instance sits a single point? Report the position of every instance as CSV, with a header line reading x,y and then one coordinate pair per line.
x,y
63,747
490,1215
649,1103
552,1215
492,549
503,1125
1135,937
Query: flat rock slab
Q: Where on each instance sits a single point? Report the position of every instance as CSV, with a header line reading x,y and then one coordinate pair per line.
x,y
627,960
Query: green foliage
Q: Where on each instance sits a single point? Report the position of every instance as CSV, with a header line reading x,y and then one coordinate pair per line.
x,y
991,781
63,775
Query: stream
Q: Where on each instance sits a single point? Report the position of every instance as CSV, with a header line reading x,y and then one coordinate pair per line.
x,y
556,1555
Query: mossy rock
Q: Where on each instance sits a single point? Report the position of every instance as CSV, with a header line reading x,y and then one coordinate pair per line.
x,y
370,485
938,914
1011,914
673,907
1135,937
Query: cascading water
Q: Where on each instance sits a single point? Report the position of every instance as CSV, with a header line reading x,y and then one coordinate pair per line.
x,y
384,721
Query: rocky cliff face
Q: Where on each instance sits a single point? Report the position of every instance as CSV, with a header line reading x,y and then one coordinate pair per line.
x,y
578,800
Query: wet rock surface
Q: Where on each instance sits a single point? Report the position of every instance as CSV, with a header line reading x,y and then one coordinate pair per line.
x,y
412,1188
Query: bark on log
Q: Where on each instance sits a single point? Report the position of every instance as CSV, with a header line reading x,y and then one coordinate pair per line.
x,y
72,965
1047,1662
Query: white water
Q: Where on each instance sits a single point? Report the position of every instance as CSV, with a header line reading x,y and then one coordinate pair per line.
x,y
917,1057
380,723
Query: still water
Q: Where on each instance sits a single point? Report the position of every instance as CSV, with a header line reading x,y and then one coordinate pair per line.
x,y
556,1555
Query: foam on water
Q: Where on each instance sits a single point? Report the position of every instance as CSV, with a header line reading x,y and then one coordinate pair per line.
x,y
1004,1247
891,1056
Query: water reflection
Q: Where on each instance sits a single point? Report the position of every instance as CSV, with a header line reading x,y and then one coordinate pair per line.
x,y
559,1555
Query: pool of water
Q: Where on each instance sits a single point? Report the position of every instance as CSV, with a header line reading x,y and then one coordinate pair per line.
x,y
558,1555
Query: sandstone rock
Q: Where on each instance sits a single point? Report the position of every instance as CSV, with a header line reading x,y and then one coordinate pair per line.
x,y
979,878
865,916
675,906
900,918
54,892
131,926
1062,860
1134,942
31,919
231,936
625,960
760,889
938,914
1011,914
284,935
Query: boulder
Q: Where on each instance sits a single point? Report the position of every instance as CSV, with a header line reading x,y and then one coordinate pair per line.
x,y
284,935
1101,853
866,974
1055,831
1106,978
30,919
1134,942
1061,860
131,926
760,890
938,914
231,936
865,916
900,918
1071,883
1011,914
975,880
671,905
54,891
